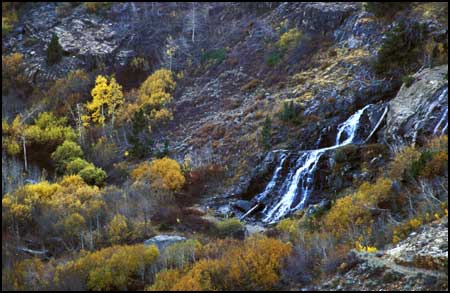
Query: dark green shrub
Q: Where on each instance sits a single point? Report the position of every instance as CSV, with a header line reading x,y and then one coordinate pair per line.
x,y
346,153
54,51
401,50
66,153
140,139
76,165
288,112
273,59
385,9
217,55
93,175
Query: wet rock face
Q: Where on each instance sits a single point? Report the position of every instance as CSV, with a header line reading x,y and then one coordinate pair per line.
x,y
419,110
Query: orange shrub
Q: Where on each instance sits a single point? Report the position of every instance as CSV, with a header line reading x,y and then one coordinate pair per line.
x,y
163,173
252,265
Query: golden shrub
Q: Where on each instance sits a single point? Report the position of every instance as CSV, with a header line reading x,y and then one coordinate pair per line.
x,y
163,173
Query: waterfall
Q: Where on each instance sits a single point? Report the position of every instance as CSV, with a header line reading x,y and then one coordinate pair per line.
x,y
350,126
274,179
296,188
443,117
307,163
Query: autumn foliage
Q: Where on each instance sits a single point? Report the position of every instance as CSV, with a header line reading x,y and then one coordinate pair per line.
x,y
163,173
252,265
353,211
112,268
107,96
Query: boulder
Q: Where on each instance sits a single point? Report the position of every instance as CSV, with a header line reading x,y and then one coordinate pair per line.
x,y
162,241
243,205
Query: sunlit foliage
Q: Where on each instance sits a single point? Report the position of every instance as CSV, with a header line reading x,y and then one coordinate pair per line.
x,y
118,229
354,210
155,94
252,265
112,268
107,96
163,173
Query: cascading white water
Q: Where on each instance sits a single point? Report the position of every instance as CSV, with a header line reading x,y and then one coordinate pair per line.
x,y
349,127
274,179
300,180
443,117
307,163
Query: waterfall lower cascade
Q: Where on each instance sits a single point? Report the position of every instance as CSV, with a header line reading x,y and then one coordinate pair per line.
x,y
295,189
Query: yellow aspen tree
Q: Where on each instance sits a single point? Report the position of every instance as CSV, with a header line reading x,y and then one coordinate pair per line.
x,y
106,98
155,94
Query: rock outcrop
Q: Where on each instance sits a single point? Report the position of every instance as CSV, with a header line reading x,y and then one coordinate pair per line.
x,y
420,262
420,109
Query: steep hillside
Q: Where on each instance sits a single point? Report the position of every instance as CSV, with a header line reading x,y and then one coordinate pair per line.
x,y
214,130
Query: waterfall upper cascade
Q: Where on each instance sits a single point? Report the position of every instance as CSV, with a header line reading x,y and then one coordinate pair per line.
x,y
284,195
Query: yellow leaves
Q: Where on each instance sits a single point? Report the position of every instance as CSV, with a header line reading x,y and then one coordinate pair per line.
x,y
371,194
141,171
151,254
155,92
166,173
139,63
106,98
28,275
289,39
49,129
403,162
11,146
70,196
112,268
369,249
436,166
164,280
126,112
180,75
21,211
5,126
74,224
161,115
118,229
163,173
353,210
7,201
160,81
250,265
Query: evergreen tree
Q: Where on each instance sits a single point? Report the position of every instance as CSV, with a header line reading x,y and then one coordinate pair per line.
x,y
288,112
54,51
140,136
